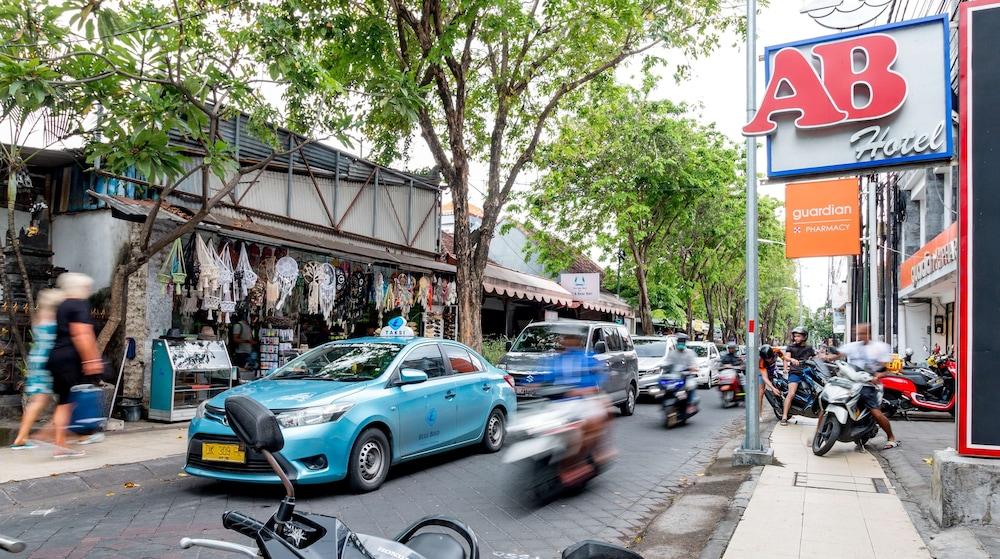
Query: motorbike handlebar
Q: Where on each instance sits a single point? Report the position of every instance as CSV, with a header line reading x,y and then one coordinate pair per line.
x,y
239,522
11,545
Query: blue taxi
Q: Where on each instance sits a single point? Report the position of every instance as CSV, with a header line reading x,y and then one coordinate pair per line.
x,y
352,408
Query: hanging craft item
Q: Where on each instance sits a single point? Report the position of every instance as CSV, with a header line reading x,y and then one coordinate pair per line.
x,y
189,305
379,291
286,273
424,292
404,285
208,267
191,261
227,302
172,271
451,296
244,275
357,297
327,292
272,291
310,273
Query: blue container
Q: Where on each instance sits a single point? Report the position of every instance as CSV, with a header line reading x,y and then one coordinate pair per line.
x,y
88,412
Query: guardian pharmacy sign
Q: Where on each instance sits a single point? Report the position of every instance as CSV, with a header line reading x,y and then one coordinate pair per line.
x,y
870,98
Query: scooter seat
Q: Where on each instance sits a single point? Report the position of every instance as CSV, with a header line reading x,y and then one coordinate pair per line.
x,y
436,546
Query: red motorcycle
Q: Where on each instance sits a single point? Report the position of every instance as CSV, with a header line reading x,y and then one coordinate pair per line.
x,y
732,387
921,388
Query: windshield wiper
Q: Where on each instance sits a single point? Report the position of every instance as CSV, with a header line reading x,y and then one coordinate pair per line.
x,y
350,379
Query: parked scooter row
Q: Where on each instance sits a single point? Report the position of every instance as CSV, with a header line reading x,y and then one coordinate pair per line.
x,y
914,388
289,534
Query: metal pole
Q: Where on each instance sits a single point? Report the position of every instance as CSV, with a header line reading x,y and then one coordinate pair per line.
x,y
798,266
873,287
751,451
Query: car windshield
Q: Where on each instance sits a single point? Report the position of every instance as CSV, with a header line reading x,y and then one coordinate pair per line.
x,y
340,362
650,348
550,337
699,350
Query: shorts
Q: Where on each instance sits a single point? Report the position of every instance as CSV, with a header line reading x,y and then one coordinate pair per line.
x,y
794,377
869,398
38,383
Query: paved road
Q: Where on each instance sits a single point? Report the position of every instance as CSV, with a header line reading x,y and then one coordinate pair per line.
x,y
149,520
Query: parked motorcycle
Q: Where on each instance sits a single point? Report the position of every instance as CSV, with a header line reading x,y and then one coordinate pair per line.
x,y
919,389
844,418
10,545
680,397
296,535
558,445
815,374
732,386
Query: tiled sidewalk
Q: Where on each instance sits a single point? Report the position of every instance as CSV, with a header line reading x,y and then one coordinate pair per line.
x,y
836,506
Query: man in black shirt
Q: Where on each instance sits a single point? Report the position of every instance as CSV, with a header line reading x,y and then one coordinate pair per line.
x,y
796,353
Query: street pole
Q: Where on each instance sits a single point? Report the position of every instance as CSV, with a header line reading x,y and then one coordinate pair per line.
x,y
752,452
798,266
873,299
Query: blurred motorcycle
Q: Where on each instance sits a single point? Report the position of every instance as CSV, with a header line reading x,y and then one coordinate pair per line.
x,y
680,396
732,386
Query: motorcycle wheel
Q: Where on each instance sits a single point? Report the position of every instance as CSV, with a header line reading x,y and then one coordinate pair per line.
x,y
776,406
826,435
728,399
545,485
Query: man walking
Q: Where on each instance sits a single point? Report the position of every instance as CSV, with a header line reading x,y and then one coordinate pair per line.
x,y
795,355
872,356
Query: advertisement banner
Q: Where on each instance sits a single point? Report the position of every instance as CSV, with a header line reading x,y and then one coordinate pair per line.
x,y
822,218
583,287
874,97
939,254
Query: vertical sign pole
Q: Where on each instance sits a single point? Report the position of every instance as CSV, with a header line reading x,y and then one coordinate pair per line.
x,y
873,261
751,453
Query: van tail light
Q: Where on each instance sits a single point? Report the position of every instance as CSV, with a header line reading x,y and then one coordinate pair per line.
x,y
509,379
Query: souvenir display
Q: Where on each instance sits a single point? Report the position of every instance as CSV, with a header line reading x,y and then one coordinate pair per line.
x,y
244,275
327,291
208,268
273,341
286,272
227,303
173,272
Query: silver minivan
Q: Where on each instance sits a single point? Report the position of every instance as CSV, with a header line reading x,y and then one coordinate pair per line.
x,y
609,343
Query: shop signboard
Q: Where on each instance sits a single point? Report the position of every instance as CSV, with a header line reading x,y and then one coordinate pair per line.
x,y
938,255
839,322
979,228
583,287
822,218
864,99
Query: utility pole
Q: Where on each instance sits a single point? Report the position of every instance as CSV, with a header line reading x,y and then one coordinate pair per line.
x,y
752,453
873,283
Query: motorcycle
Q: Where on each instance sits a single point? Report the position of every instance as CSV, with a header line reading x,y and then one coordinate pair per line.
x,y
919,389
844,419
558,445
680,397
289,534
815,374
732,386
10,545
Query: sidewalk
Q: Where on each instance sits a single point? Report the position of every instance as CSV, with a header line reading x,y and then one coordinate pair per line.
x,y
118,448
837,506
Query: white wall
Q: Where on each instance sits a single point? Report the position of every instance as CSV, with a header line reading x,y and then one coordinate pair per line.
x,y
914,320
89,242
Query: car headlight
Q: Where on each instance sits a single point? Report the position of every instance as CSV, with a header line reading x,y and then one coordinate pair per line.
x,y
199,412
312,416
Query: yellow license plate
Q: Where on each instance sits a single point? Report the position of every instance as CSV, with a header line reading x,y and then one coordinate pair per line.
x,y
221,452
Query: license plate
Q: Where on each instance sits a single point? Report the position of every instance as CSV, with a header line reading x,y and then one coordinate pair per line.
x,y
525,390
222,452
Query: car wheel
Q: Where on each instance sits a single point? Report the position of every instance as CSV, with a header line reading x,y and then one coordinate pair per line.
x,y
496,431
369,465
628,406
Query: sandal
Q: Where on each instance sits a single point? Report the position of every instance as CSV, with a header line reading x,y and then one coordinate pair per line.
x,y
783,422
890,444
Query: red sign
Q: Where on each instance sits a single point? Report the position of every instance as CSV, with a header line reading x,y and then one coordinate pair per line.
x,y
938,253
829,99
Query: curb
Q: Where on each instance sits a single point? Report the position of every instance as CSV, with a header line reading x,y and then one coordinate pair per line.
x,y
108,477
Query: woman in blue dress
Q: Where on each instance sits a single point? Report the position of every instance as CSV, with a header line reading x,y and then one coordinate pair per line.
x,y
38,384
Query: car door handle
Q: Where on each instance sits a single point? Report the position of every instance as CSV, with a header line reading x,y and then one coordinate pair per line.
x,y
450,395
487,387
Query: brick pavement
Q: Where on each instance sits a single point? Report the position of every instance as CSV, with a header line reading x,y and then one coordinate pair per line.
x,y
149,520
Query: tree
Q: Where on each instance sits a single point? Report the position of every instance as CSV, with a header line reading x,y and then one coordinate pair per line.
x,y
481,81
135,75
621,172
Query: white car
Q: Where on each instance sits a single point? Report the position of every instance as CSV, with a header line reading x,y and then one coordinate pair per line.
x,y
708,361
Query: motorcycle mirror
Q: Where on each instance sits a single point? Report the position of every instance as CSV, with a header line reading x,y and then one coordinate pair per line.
x,y
591,549
508,344
254,424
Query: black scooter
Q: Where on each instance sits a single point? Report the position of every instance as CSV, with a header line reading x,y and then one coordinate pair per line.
x,y
10,545
680,397
815,374
295,535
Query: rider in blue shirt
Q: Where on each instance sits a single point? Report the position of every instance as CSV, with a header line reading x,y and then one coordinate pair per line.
x,y
574,368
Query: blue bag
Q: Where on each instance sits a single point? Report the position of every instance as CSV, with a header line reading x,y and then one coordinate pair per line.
x,y
88,411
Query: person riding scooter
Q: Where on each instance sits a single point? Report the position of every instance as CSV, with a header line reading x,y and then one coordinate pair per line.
x,y
795,355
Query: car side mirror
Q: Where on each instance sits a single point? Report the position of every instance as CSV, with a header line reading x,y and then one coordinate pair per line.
x,y
412,376
254,424
600,347
507,345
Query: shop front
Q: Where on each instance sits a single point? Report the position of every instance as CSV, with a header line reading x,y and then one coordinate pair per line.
x,y
928,289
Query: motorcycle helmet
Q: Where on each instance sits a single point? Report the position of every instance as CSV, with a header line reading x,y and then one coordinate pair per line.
x,y
731,346
801,330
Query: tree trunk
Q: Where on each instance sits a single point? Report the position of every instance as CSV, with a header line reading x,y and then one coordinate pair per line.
x,y
9,302
469,281
690,315
645,307
706,293
14,241
116,307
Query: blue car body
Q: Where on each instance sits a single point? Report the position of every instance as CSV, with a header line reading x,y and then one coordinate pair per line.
x,y
439,414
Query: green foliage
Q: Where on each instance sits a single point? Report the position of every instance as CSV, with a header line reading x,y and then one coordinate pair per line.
x,y
820,325
494,349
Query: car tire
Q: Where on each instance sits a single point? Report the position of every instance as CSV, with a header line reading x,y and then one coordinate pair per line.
x,y
369,462
495,431
627,407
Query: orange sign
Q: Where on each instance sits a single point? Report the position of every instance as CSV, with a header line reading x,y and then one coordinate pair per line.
x,y
822,218
938,253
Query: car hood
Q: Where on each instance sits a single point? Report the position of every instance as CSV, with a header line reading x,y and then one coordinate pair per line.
x,y
287,394
526,362
647,363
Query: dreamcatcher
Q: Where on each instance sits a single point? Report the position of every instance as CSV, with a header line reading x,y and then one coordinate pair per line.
x,y
379,295
424,292
227,302
286,272
173,271
327,292
404,284
244,275
356,297
310,273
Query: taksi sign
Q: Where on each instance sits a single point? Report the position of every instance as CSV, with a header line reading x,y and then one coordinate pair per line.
x,y
860,100
822,218
583,287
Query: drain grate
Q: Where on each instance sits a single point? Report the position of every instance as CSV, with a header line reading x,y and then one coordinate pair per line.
x,y
841,482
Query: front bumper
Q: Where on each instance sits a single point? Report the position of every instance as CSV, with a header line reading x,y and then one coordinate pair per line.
x,y
312,454
648,383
